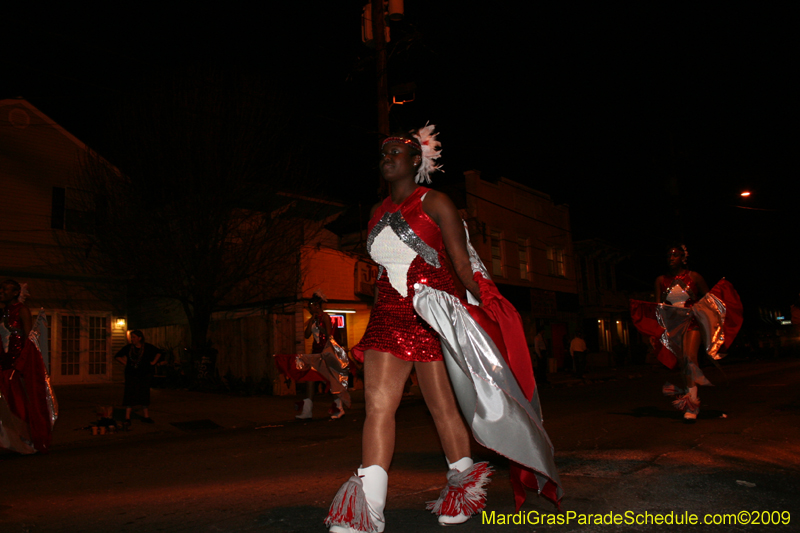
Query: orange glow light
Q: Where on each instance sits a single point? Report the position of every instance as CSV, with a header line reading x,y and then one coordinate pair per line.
x,y
745,193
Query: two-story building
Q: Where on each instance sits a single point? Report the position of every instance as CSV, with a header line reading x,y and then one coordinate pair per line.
x,y
38,161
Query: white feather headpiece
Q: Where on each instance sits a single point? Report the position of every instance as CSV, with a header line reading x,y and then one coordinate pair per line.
x,y
431,151
320,295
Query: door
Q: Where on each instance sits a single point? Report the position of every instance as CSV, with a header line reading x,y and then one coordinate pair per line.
x,y
81,348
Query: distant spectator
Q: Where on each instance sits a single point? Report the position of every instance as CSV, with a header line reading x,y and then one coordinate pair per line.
x,y
577,349
140,361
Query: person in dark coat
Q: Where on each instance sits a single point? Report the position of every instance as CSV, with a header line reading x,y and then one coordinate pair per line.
x,y
140,359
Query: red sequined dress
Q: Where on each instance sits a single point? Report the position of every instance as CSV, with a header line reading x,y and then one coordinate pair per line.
x,y
408,246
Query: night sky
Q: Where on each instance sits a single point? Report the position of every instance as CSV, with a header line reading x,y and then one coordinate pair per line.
x,y
648,122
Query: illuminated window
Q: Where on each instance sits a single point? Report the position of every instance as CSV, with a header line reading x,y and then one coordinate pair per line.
x,y
497,252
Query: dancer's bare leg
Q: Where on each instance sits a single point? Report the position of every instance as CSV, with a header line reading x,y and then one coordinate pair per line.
x,y
438,393
691,345
384,377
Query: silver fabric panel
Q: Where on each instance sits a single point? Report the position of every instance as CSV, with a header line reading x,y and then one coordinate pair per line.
x,y
475,262
709,312
52,403
710,315
401,228
675,321
500,416
39,335
332,363
13,431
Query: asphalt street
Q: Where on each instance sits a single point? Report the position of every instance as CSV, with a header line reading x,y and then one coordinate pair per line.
x,y
224,463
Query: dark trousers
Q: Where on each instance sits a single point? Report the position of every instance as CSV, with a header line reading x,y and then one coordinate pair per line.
x,y
580,363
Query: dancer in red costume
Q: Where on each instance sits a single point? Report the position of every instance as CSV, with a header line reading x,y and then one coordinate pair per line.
x,y
685,312
27,407
683,288
327,359
408,235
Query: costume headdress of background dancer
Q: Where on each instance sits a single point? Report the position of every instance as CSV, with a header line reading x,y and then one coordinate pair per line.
x,y
682,247
429,148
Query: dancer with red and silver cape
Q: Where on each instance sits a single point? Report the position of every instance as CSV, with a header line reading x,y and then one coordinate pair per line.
x,y
409,233
685,312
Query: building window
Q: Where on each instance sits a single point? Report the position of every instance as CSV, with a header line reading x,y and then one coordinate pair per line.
x,y
98,344
497,253
522,246
555,261
72,210
70,345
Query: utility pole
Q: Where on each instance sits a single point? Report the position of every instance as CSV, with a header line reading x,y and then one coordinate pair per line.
x,y
379,36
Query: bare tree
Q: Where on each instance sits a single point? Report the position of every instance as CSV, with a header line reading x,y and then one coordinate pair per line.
x,y
197,199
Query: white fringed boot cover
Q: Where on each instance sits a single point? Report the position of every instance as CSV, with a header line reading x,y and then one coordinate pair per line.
x,y
465,493
358,506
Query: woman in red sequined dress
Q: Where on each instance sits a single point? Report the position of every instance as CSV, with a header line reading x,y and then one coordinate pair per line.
x,y
408,235
682,287
26,420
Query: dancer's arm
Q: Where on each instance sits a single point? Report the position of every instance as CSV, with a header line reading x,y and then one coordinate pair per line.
x,y
702,287
27,322
658,290
441,209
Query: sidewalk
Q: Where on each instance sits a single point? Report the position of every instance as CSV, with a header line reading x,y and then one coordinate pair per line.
x,y
181,411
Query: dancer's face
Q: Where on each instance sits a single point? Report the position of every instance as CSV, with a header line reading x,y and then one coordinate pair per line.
x,y
397,161
8,293
675,257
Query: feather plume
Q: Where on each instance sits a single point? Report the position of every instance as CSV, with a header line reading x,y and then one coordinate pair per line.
x,y
431,151
23,293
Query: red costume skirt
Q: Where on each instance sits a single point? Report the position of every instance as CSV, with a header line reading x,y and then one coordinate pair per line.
x,y
395,327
